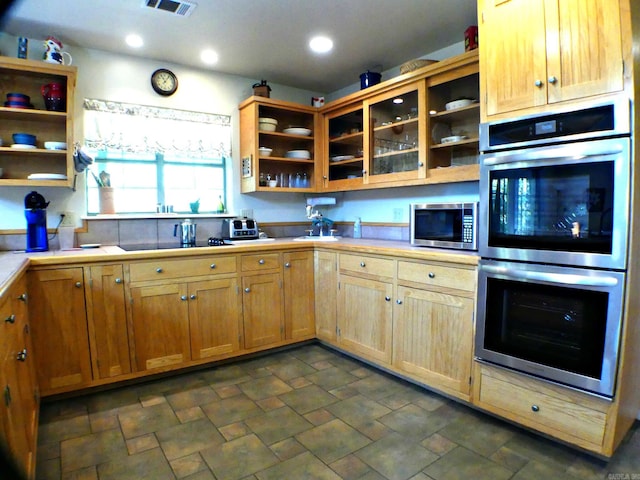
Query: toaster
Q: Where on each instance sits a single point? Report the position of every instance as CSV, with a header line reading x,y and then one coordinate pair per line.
x,y
240,228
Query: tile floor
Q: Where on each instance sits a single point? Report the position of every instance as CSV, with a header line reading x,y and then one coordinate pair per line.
x,y
304,413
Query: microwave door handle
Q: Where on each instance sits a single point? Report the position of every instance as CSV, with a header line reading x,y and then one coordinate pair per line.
x,y
560,278
555,154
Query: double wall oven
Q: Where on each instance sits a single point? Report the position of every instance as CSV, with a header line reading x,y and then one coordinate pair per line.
x,y
554,203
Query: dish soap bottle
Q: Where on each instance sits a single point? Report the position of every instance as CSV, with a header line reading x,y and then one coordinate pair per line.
x,y
357,228
220,205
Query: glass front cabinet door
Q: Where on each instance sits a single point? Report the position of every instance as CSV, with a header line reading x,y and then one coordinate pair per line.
x,y
394,142
345,147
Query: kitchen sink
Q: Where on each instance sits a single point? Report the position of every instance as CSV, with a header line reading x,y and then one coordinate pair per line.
x,y
316,238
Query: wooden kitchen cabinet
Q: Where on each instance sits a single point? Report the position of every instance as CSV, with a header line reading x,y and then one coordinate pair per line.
x,y
343,165
20,397
262,308
299,295
27,77
539,52
365,308
107,321
326,294
255,167
59,329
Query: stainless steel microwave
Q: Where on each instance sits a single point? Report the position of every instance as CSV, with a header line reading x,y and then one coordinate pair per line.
x,y
444,225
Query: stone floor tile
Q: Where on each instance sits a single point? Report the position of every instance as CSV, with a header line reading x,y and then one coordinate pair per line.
x,y
153,399
189,414
264,387
331,378
142,443
313,353
372,429
239,458
287,448
357,410
318,417
234,430
299,382
47,451
332,441
48,469
438,444
291,368
303,466
231,410
149,465
361,372
270,403
187,438
344,392
225,375
307,399
509,459
146,420
463,464
482,434
115,401
188,465
535,470
92,449
87,473
350,467
192,397
203,475
377,386
101,421
395,457
277,425
322,365
227,391
346,363
534,447
58,429
412,421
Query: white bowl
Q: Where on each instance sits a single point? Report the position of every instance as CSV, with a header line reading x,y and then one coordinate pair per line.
x,y
267,120
273,183
298,154
266,127
297,131
464,102
265,151
55,145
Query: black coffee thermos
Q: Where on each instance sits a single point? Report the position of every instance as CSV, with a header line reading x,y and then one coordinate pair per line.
x,y
35,210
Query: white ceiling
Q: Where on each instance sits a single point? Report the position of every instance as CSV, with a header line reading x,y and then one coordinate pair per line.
x,y
261,39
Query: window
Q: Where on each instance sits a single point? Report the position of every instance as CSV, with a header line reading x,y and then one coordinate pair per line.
x,y
157,156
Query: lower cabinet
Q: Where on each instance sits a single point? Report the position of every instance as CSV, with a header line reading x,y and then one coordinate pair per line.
x,y
262,309
59,329
326,294
299,295
20,398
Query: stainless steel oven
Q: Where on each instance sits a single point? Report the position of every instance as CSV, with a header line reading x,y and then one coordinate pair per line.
x,y
554,211
558,323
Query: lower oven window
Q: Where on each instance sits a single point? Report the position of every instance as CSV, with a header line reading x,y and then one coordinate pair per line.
x,y
556,326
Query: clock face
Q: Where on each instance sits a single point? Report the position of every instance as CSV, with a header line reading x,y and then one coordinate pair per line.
x,y
164,82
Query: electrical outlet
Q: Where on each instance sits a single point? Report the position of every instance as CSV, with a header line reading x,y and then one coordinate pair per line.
x,y
70,219
397,214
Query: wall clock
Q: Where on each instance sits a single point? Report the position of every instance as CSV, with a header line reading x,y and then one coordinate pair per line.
x,y
164,82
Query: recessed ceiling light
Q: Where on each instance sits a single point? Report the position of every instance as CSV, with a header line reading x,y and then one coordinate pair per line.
x,y
134,41
209,57
321,44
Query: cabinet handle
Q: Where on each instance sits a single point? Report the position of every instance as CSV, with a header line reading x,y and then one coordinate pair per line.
x,y
22,356
399,302
23,297
10,319
535,408
538,83
193,296
420,164
287,265
362,264
183,298
118,280
212,266
78,284
324,176
552,80
261,261
432,275
159,270
364,172
388,299
247,290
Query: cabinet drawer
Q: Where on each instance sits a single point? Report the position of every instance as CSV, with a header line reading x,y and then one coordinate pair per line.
x,y
260,261
437,275
545,407
360,264
188,267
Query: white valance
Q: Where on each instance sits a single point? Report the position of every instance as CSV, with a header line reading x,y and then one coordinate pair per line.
x,y
125,128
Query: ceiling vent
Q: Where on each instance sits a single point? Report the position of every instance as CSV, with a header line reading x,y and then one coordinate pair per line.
x,y
181,7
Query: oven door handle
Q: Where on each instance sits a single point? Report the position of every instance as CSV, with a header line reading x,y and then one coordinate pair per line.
x,y
555,154
560,278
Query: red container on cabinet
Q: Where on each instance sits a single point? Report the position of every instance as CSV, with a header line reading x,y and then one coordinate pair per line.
x,y
471,38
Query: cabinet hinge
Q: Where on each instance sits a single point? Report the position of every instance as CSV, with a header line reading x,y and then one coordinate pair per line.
x,y
469,380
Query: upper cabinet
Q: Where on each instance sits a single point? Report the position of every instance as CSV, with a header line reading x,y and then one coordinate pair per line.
x,y
277,146
49,162
539,52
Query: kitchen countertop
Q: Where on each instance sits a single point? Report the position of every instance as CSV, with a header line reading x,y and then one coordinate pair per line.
x,y
12,264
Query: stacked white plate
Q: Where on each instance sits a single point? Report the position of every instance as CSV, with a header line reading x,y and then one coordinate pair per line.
x,y
298,131
298,154
55,145
47,176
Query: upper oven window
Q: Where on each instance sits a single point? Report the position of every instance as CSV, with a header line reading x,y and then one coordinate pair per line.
x,y
556,207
